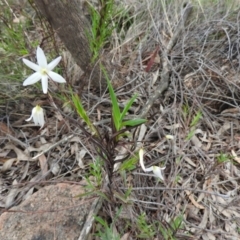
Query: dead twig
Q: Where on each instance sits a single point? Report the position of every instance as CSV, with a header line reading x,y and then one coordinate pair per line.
x,y
163,85
180,189
96,205
65,139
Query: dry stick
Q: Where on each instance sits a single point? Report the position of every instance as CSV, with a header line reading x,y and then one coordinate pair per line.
x,y
96,205
65,139
163,85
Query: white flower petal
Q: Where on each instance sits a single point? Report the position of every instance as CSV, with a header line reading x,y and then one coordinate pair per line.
x,y
56,77
29,119
35,77
171,137
41,120
35,120
158,172
141,153
41,58
54,63
37,116
43,71
45,84
149,169
31,65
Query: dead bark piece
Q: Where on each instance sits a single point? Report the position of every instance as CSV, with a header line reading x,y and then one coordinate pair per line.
x,y
69,21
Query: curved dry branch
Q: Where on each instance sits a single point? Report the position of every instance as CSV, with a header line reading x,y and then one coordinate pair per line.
x,y
163,85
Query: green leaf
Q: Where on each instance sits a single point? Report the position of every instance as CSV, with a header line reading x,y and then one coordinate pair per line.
x,y
190,134
129,164
82,113
176,224
196,119
79,107
126,108
134,122
115,108
101,221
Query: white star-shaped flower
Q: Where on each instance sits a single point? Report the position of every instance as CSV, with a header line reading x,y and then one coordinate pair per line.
x,y
43,71
37,116
157,171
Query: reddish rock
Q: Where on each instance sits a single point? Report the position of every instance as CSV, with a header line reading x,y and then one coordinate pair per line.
x,y
51,213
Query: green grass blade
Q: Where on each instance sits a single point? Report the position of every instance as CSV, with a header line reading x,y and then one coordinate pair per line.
x,y
127,107
115,108
130,164
101,221
134,122
190,134
82,113
196,119
80,110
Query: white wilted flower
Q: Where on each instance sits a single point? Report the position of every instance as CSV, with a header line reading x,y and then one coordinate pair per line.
x,y
157,171
43,71
37,116
141,152
170,137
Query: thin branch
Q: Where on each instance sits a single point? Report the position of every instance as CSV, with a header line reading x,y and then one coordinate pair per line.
x,y
179,189
96,205
163,85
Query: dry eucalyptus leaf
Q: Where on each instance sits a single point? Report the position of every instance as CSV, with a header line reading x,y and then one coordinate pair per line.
x,y
208,236
74,148
41,148
189,161
11,195
55,168
211,236
43,164
21,156
155,77
122,151
25,170
194,202
196,141
4,153
43,140
173,126
4,129
8,164
224,128
79,157
204,221
235,213
125,236
211,215
75,139
226,213
28,194
235,157
142,132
